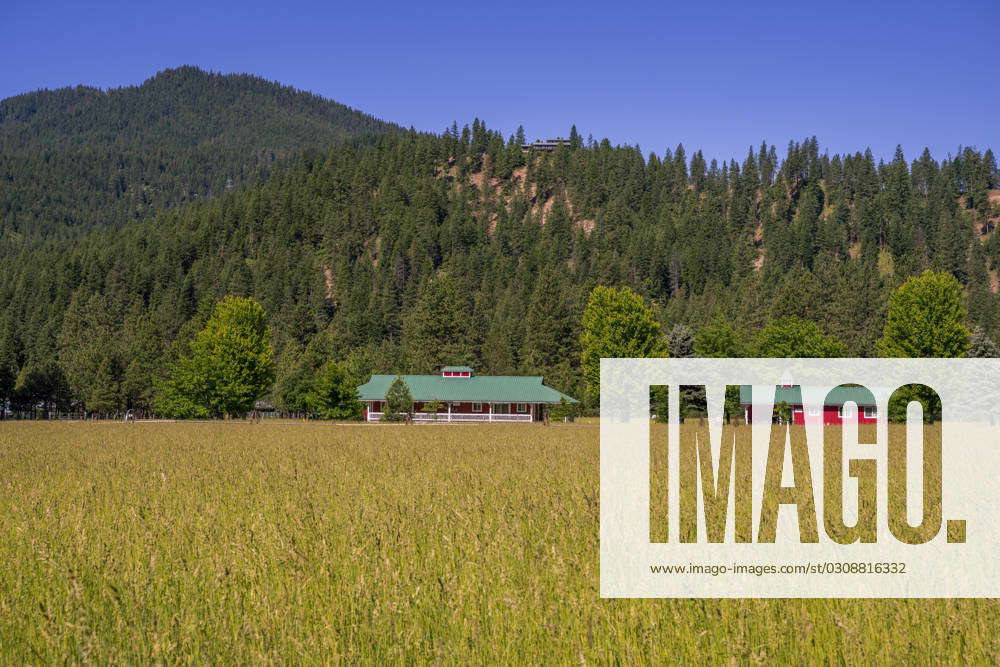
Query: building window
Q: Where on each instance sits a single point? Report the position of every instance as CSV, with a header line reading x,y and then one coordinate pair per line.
x,y
477,407
522,407
870,412
376,406
844,411
814,412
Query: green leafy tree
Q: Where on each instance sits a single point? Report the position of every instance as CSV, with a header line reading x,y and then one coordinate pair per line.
x,y
432,407
398,401
795,337
334,393
930,403
720,340
616,324
926,319
229,365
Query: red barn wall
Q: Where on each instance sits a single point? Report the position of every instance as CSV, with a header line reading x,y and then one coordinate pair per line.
x,y
830,415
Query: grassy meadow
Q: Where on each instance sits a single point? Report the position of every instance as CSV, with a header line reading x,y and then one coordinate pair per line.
x,y
137,543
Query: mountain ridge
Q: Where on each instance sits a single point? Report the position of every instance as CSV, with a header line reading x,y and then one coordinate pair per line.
x,y
76,158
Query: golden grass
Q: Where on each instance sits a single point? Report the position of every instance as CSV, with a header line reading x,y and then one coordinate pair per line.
x,y
313,544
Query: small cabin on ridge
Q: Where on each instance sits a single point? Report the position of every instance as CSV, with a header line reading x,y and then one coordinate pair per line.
x,y
546,146
464,396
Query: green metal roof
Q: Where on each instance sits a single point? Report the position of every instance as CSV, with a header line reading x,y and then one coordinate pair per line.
x,y
457,369
793,395
476,389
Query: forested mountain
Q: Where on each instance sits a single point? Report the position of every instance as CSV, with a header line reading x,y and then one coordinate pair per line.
x,y
421,250
76,158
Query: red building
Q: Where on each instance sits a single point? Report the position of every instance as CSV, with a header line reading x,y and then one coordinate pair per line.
x,y
462,396
836,408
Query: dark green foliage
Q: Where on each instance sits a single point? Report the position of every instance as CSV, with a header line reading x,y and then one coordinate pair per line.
x,y
41,385
398,401
440,329
403,251
333,394
930,403
75,158
659,402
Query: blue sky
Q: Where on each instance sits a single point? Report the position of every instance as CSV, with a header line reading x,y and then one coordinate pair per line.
x,y
719,76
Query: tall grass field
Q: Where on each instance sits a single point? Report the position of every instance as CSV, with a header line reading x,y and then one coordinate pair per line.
x,y
240,543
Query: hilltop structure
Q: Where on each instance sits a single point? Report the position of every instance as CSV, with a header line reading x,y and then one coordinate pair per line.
x,y
547,146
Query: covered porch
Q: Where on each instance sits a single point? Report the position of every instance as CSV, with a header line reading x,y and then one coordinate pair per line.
x,y
452,411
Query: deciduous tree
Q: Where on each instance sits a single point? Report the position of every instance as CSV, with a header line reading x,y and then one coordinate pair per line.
x,y
926,318
795,337
334,394
616,323
228,367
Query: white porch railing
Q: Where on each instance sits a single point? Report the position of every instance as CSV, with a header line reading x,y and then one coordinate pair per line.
x,y
444,417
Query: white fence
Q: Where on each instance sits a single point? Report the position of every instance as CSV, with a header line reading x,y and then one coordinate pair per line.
x,y
431,417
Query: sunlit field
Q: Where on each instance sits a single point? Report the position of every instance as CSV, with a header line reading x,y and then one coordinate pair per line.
x,y
313,543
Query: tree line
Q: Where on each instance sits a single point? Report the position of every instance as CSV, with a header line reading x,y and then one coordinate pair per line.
x,y
419,250
926,319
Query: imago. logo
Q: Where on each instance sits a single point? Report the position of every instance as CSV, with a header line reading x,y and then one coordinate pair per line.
x,y
800,477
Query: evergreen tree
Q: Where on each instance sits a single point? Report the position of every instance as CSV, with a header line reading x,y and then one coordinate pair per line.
x,y
551,333
7,379
440,329
41,384
680,341
398,401
982,346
